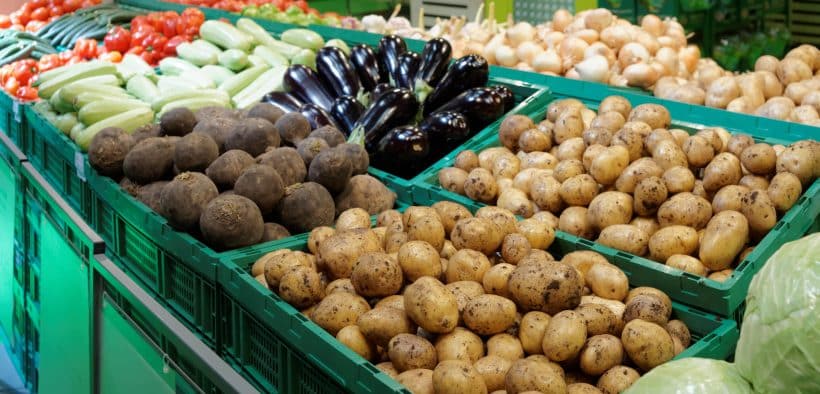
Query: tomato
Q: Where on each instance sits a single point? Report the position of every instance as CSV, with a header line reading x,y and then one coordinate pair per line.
x,y
158,44
86,48
22,17
11,85
24,70
5,22
38,3
33,26
171,45
169,26
26,93
47,62
40,14
88,3
113,56
136,50
56,10
75,59
72,5
118,39
139,37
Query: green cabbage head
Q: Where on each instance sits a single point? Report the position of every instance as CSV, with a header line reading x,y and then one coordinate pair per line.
x,y
692,376
779,347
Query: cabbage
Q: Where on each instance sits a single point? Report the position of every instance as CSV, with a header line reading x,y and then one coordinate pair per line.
x,y
779,347
692,376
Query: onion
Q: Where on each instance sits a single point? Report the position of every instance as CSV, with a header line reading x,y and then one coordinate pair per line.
x,y
771,85
664,86
527,51
706,75
688,93
668,57
805,114
489,49
640,75
505,56
576,25
587,35
572,74
672,25
766,63
593,69
547,61
616,36
649,41
572,51
652,25
632,53
617,80
520,33
721,91
473,48
600,48
598,19
561,19
523,67
690,56
553,38
741,105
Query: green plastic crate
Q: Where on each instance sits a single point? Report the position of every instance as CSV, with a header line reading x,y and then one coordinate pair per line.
x,y
270,335
724,299
11,117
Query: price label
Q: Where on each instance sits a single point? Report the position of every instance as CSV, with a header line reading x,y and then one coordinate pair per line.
x,y
79,164
15,109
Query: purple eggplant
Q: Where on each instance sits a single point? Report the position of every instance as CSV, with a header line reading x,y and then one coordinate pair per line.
x,y
284,101
481,106
346,111
467,72
390,48
393,108
316,116
507,95
434,60
403,150
335,72
408,67
366,65
379,90
445,130
304,84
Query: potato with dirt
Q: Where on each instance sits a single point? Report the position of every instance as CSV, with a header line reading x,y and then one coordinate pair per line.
x,y
338,310
647,344
230,222
183,199
533,376
489,314
430,305
600,353
108,150
459,344
493,370
301,287
453,179
549,287
380,324
617,379
408,351
352,337
339,252
724,238
672,240
511,128
685,209
723,170
610,208
784,190
478,234
376,274
366,192
457,377
626,237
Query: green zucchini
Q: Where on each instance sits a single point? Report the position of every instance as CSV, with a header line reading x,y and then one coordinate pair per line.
x,y
233,59
234,84
225,35
303,38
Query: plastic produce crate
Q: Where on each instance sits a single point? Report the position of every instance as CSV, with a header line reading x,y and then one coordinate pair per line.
x,y
282,349
11,117
724,299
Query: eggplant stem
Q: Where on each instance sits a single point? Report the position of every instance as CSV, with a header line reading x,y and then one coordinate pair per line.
x,y
357,136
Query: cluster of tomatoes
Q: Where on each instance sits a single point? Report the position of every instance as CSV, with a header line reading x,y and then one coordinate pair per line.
x,y
154,36
16,77
238,5
35,14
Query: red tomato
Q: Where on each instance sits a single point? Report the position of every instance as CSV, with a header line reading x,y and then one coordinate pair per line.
x,y
24,70
87,3
40,14
56,10
72,5
138,37
136,50
158,44
26,93
5,22
169,26
33,26
118,39
86,48
22,17
75,60
47,62
113,57
38,3
11,85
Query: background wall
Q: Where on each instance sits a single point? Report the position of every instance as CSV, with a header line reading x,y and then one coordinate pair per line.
x,y
7,6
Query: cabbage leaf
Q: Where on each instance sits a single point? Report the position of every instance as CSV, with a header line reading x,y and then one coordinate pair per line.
x,y
692,376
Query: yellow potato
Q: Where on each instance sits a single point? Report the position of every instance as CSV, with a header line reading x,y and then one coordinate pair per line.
x,y
376,274
631,139
565,336
393,301
668,154
418,381
460,344
688,264
649,225
464,292
723,170
647,344
678,179
538,235
600,319
408,351
378,325
626,237
754,182
611,121
672,240
639,169
353,338
574,220
600,353
579,190
301,287
571,149
506,346
698,150
650,193
545,191
656,116
478,234
531,331
529,375
617,379
617,104
759,159
504,219
457,377
608,165
338,310
489,314
467,264
514,248
724,238
583,260
685,209
759,211
784,190
649,308
610,208
496,278
430,305
533,286
607,281
339,252
417,259
493,370
388,368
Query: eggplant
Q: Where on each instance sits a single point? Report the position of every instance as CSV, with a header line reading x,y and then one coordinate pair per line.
x,y
507,95
346,111
304,84
408,67
393,108
335,72
366,65
316,116
445,130
481,106
390,48
284,101
403,150
467,72
434,60
379,90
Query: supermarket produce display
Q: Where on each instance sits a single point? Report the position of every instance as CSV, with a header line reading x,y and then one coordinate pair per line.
x,y
483,206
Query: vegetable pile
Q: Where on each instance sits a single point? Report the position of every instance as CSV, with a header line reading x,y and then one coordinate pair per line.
x,y
33,15
238,178
444,284
406,109
297,13
87,23
623,178
156,35
239,5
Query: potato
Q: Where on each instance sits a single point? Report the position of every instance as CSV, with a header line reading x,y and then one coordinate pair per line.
x,y
678,179
568,124
617,379
506,165
597,135
430,305
649,225
668,154
534,140
516,201
651,291
529,375
505,346
565,336
685,209
579,190
466,160
759,211
376,274
677,329
381,324
721,276
600,319
784,190
489,314
339,310
545,191
465,265
657,135
477,234
511,129
493,370
572,148
801,160
723,170
600,353
538,235
531,331
480,185
687,264
610,208
453,179
353,338
636,171
496,278
728,198
647,307
408,351
457,377
460,344
672,240
759,159
656,116
549,287
617,104
514,247
278,264
607,281
394,301
698,150
428,228
465,291
301,287
574,220
417,259
418,381
582,388
647,344
388,368
339,252
650,193
610,121
607,166
754,182
724,238
583,260
624,237
631,139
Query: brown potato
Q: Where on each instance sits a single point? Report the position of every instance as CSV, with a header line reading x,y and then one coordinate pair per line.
x,y
489,314
511,129
568,124
617,104
467,264
430,305
550,287
453,179
678,179
529,375
531,331
301,287
624,237
723,239
647,344
457,377
600,353
759,211
460,344
668,154
493,370
575,220
506,346
597,135
650,193
617,379
545,191
679,330
465,291
699,151
514,247
339,252
572,148
656,116
759,159
631,139
376,274
579,190
607,281
417,259
728,198
480,185
608,166
534,140
685,209
496,278
278,264
647,307
801,159
754,182
539,236
353,338
672,240
639,169
466,160
381,324
599,319
408,351
418,381
339,310
784,190
477,234
651,291
565,336
723,170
